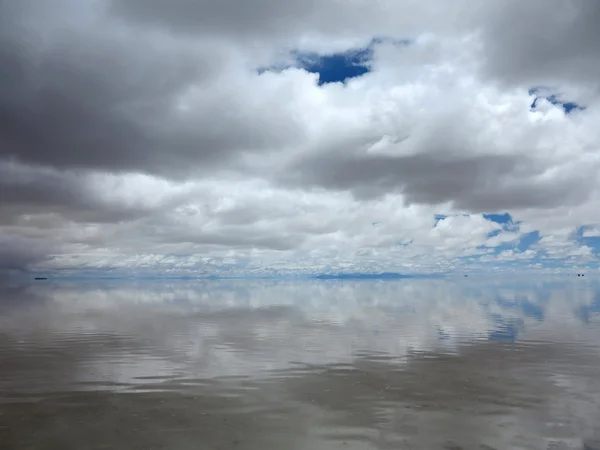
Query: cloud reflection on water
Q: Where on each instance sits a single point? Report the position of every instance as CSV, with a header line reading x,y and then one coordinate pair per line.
x,y
362,362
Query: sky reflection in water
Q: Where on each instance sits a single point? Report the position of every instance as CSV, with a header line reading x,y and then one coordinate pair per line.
x,y
301,364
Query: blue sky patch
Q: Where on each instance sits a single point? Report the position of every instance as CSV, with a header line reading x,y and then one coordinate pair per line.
x,y
505,220
503,247
528,239
591,241
494,233
437,218
554,99
337,67
499,218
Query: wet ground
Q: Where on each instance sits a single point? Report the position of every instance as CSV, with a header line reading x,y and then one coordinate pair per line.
x,y
407,364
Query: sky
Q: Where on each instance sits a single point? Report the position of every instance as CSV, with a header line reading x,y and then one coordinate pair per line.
x,y
182,137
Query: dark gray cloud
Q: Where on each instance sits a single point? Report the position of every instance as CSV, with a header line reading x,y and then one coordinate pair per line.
x,y
71,195
542,41
478,182
262,22
106,99
17,253
424,178
228,17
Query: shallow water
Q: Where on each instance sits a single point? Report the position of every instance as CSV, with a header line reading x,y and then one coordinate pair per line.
x,y
407,364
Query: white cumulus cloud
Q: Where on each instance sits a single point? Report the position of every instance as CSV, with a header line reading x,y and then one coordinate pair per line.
x,y
186,138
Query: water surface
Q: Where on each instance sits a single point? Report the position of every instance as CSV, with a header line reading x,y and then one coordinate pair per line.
x,y
403,364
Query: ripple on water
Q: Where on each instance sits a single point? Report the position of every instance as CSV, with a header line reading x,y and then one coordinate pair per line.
x,y
358,365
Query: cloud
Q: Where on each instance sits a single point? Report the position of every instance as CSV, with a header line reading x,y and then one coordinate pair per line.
x,y
529,55
99,95
591,232
267,20
17,253
203,138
